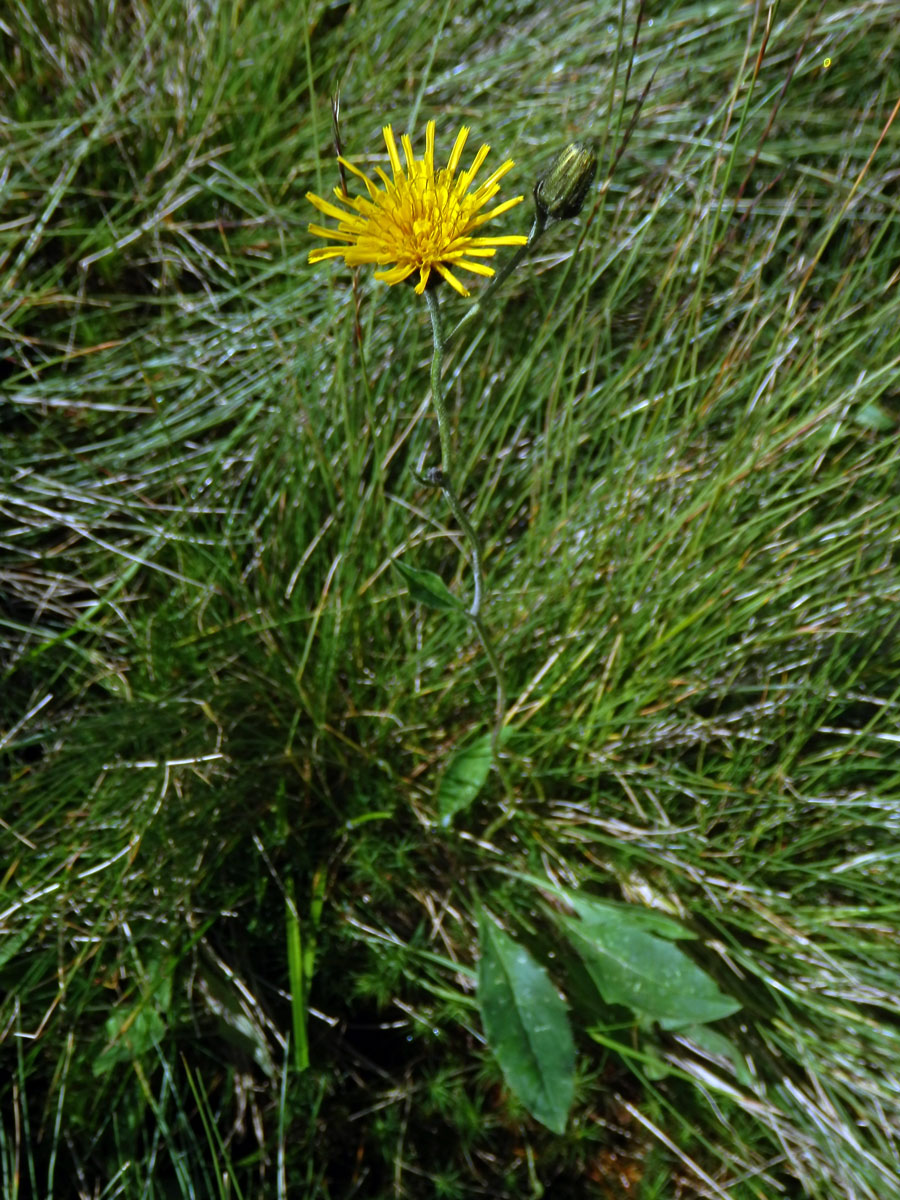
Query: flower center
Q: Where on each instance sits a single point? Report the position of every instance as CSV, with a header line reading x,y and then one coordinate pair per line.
x,y
423,231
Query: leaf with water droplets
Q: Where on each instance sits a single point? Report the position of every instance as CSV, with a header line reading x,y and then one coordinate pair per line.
x,y
526,1025
631,964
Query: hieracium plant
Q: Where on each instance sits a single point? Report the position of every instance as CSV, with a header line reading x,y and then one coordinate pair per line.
x,y
422,225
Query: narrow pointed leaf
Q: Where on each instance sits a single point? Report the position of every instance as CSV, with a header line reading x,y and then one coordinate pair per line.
x,y
427,588
464,778
526,1025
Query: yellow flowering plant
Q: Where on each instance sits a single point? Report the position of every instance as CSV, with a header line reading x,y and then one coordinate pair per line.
x,y
421,225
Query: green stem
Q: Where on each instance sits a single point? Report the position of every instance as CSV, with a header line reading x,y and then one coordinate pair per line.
x,y
500,711
500,277
437,391
441,478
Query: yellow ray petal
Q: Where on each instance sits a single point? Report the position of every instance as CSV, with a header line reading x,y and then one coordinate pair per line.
x,y
451,279
396,274
330,210
495,212
365,209
388,135
456,152
372,189
366,256
321,253
338,235
465,246
408,153
507,239
495,177
467,176
476,268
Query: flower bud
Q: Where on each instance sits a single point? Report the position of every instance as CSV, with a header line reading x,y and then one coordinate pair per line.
x,y
560,192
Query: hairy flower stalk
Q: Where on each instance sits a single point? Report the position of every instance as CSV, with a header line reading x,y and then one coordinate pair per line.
x,y
421,226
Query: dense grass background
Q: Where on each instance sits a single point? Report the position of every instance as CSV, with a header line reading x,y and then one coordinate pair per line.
x,y
223,718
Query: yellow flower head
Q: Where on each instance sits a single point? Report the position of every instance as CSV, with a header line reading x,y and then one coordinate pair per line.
x,y
420,220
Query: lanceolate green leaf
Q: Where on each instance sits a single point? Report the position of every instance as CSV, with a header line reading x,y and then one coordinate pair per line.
x,y
526,1025
427,588
465,775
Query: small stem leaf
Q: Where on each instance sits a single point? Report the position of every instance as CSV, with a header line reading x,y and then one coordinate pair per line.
x,y
427,588
130,1033
299,985
464,777
133,1030
526,1025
